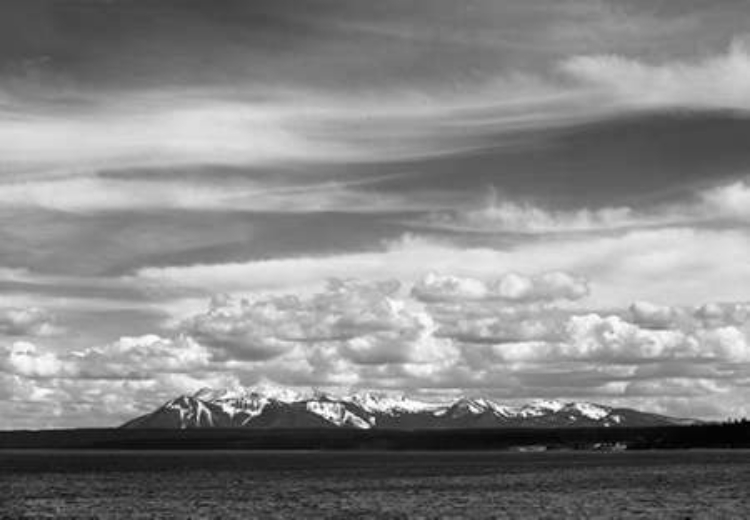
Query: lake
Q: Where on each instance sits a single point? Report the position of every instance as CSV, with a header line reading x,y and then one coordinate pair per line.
x,y
389,485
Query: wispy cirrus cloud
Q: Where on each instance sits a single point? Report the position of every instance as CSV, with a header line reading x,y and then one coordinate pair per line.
x,y
265,126
92,194
308,129
140,130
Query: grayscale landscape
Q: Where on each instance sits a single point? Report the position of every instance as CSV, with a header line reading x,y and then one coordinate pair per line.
x,y
374,258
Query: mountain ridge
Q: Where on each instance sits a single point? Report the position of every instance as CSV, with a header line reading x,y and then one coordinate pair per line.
x,y
268,408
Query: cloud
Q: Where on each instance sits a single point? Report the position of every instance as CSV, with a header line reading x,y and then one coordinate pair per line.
x,y
679,265
380,332
654,316
732,200
710,315
127,358
146,129
721,314
682,387
27,360
503,326
29,321
548,337
141,357
510,287
91,193
285,126
725,202
384,334
370,84
246,331
366,323
718,82
523,217
610,338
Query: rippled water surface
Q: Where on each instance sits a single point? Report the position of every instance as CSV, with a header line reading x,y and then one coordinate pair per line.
x,y
211,484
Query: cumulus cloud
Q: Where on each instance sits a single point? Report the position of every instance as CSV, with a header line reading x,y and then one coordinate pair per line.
x,y
466,332
710,315
246,331
523,338
605,340
382,323
652,315
503,327
613,339
141,357
717,82
27,360
677,339
127,358
723,314
369,323
29,321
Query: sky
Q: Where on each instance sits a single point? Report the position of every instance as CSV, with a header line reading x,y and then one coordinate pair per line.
x,y
518,199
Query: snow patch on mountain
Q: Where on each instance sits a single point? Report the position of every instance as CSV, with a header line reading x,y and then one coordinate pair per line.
x,y
540,407
591,411
191,411
337,414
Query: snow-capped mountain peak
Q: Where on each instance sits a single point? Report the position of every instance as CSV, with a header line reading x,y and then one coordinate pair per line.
x,y
466,405
392,404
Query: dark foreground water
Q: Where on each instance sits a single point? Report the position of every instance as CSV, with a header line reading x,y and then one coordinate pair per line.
x,y
120,484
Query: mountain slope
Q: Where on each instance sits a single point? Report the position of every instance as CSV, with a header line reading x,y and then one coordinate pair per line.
x,y
266,409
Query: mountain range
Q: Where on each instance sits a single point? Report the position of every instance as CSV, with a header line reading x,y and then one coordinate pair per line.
x,y
278,407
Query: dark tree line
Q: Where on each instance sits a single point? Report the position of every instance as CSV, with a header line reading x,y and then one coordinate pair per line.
x,y
734,433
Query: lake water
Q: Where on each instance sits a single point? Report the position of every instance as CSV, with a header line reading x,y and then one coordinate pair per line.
x,y
211,484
